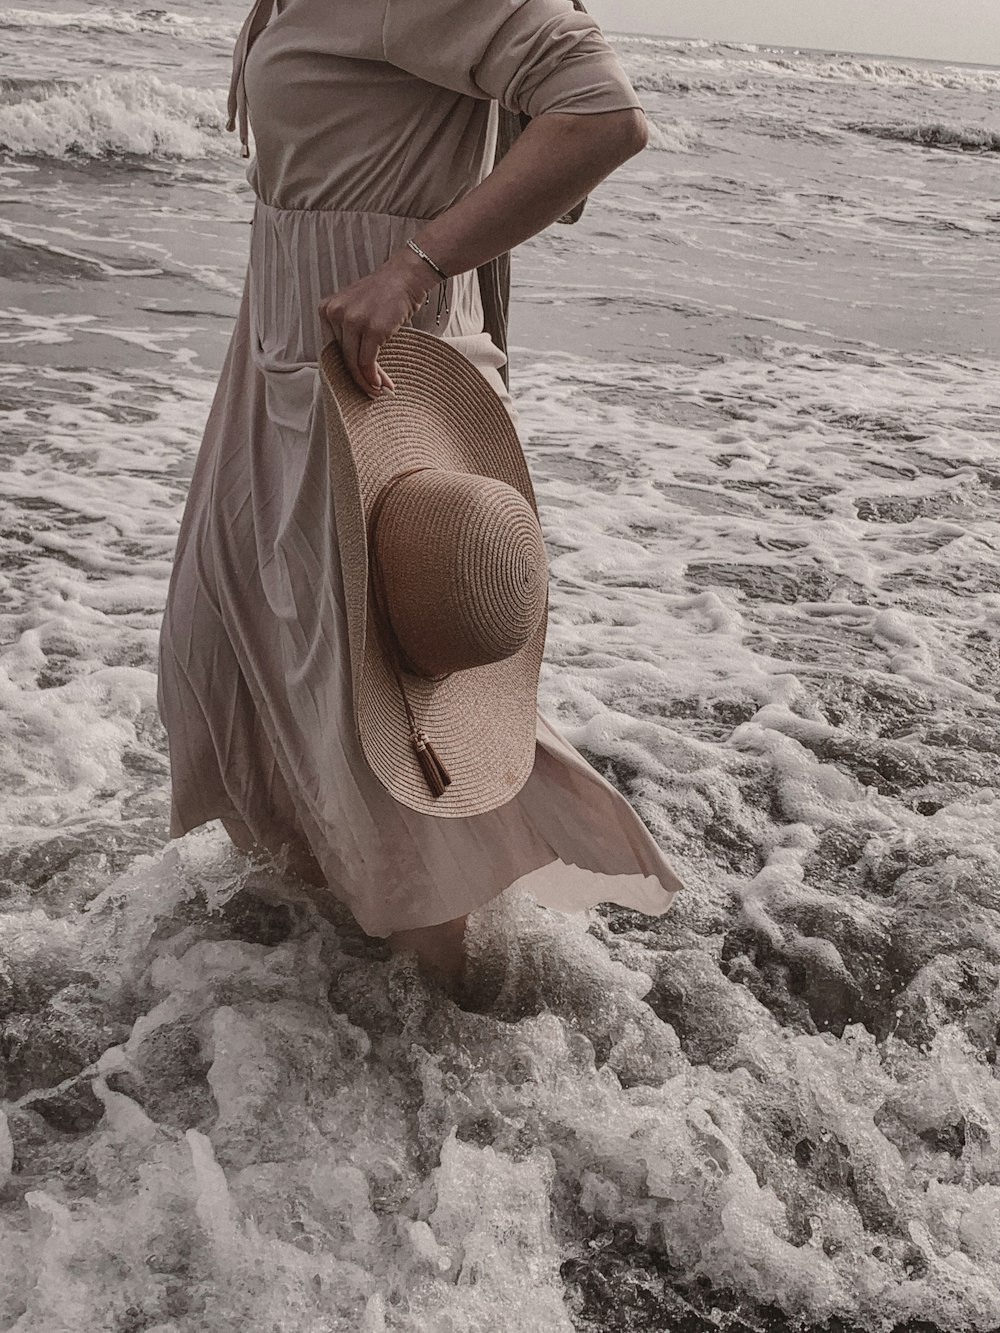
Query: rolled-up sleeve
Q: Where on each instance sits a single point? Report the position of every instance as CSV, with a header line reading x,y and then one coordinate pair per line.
x,y
532,56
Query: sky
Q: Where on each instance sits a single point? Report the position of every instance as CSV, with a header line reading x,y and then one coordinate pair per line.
x,y
967,30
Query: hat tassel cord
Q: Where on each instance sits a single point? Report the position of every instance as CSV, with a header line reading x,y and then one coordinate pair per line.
x,y
431,765
435,774
438,777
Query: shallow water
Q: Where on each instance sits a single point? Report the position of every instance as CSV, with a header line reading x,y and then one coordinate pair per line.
x,y
757,387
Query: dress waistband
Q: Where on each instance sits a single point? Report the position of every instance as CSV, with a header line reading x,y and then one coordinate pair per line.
x,y
279,210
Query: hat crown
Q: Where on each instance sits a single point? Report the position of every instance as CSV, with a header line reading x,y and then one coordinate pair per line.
x,y
463,567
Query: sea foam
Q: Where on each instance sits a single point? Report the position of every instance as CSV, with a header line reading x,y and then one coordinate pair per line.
x,y
225,1106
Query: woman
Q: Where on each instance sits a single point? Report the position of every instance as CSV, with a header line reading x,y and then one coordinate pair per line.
x,y
375,125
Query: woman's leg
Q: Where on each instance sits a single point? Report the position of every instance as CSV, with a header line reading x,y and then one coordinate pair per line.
x,y
439,947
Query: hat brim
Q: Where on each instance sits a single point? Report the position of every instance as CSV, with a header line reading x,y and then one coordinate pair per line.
x,y
481,721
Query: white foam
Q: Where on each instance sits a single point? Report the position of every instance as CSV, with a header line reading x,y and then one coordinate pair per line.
x,y
371,1155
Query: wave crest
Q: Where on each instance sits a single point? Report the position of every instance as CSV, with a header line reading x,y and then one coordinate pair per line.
x,y
110,20
116,116
969,138
673,71
674,136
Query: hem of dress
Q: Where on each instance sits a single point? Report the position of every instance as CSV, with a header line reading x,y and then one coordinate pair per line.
x,y
179,829
550,898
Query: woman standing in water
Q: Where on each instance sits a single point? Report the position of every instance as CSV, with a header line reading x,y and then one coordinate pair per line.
x,y
375,125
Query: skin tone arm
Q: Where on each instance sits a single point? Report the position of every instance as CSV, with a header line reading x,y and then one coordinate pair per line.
x,y
558,160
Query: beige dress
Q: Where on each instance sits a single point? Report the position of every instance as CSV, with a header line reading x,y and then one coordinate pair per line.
x,y
369,117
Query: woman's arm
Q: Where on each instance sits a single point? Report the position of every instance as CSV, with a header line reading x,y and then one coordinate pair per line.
x,y
558,160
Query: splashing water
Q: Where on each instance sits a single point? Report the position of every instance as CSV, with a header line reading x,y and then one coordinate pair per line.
x,y
288,1129
224,1109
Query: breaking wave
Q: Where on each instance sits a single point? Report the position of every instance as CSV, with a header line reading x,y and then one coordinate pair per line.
x,y
156,21
260,1116
848,70
115,116
672,71
674,136
968,138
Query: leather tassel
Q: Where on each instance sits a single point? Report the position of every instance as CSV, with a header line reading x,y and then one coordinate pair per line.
x,y
434,770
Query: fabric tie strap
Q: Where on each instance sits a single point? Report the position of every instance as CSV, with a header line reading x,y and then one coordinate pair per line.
x,y
254,24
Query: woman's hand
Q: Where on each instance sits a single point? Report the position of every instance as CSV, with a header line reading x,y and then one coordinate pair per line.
x,y
365,315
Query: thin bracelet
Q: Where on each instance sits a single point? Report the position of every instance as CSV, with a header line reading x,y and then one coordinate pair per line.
x,y
417,251
442,276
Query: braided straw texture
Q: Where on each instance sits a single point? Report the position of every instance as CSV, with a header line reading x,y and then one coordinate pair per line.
x,y
481,720
478,591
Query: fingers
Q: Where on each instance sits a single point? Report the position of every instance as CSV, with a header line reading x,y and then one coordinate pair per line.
x,y
368,366
359,347
359,358
360,331
327,330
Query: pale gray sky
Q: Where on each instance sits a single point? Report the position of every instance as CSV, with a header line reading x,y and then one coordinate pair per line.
x,y
934,29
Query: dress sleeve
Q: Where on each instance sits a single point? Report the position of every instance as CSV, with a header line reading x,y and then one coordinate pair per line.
x,y
530,55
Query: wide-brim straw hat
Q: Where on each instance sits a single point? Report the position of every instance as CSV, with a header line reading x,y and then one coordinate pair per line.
x,y
443,565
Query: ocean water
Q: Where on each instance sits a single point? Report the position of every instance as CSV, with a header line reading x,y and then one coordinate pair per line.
x,y
758,389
